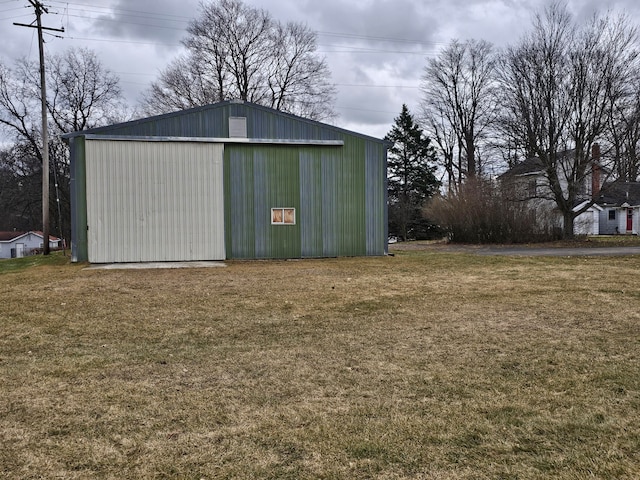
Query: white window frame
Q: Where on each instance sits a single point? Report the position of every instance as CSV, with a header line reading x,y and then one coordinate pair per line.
x,y
282,210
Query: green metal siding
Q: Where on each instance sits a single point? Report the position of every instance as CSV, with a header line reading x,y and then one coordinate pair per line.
x,y
78,180
261,178
331,163
239,207
311,205
376,199
339,211
351,206
276,186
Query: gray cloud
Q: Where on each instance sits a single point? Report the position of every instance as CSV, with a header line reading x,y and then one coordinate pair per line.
x,y
163,21
373,47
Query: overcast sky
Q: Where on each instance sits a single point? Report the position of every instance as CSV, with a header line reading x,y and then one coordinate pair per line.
x,y
375,49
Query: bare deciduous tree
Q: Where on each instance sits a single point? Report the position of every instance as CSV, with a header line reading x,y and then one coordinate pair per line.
x,y
624,134
561,85
185,83
20,187
458,104
81,94
236,51
441,125
298,81
18,102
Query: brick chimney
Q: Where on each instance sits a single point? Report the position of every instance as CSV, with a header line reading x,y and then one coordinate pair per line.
x,y
595,171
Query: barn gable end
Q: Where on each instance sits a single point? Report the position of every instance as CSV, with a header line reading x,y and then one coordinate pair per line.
x,y
229,180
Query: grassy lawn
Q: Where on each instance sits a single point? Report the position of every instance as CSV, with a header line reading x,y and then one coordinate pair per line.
x,y
19,264
426,365
602,241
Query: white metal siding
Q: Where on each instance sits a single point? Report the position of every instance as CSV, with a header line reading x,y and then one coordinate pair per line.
x,y
154,201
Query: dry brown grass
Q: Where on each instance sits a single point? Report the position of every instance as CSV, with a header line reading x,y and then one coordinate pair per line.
x,y
424,365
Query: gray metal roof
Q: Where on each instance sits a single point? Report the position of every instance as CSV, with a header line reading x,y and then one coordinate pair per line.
x,y
212,121
617,193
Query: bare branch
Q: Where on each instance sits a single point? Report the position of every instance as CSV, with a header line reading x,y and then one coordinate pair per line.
x,y
236,51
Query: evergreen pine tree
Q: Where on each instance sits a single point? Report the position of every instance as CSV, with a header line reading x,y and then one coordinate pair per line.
x,y
411,177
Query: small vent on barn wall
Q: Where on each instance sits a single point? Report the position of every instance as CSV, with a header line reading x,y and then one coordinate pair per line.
x,y
237,127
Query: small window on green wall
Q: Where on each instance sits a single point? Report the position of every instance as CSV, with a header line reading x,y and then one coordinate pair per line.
x,y
283,216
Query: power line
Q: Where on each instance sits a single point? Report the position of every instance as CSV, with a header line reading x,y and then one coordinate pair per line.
x,y
350,50
365,110
186,20
394,52
16,16
377,38
73,10
376,86
110,10
12,9
127,13
125,22
132,42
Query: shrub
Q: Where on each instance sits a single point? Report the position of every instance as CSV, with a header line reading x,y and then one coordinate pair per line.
x,y
479,212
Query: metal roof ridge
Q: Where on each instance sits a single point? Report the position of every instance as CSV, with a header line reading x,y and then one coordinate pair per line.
x,y
217,105
154,138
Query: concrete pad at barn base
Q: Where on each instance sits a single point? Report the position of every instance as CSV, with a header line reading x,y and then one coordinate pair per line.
x,y
152,265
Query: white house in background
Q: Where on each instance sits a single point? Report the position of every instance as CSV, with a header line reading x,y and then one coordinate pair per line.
x,y
21,244
620,203
529,183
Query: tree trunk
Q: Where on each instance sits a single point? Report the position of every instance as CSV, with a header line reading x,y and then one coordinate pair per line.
x,y
472,168
567,228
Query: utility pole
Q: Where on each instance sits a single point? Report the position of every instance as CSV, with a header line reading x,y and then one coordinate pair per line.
x,y
39,9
